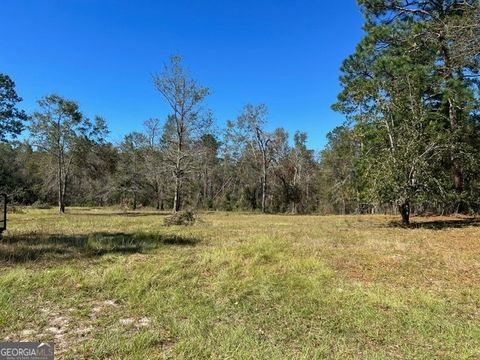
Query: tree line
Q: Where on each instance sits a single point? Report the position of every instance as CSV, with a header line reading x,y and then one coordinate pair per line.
x,y
411,141
180,162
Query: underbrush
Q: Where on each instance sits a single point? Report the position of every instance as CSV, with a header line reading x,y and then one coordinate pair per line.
x,y
184,218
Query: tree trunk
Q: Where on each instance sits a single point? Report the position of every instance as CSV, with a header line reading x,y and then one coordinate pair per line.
x,y
264,187
62,190
158,195
405,212
457,174
452,116
205,187
176,198
61,204
294,183
161,207
456,167
134,201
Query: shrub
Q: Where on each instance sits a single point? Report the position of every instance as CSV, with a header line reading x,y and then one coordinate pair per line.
x,y
41,205
15,209
181,218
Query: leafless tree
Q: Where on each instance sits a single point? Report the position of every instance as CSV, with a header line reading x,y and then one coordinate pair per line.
x,y
184,96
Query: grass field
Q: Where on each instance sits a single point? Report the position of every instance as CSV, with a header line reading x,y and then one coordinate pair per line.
x,y
108,284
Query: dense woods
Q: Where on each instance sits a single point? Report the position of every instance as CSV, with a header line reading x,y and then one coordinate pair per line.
x,y
410,143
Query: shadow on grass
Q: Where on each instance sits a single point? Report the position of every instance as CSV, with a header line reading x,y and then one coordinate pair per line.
x,y
454,223
33,247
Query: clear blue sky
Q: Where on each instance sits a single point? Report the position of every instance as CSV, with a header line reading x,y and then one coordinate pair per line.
x,y
102,53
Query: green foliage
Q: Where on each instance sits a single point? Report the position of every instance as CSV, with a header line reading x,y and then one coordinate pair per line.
x,y
19,172
339,178
65,136
410,93
12,120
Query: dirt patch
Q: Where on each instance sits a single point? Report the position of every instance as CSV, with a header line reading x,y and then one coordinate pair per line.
x,y
142,322
67,329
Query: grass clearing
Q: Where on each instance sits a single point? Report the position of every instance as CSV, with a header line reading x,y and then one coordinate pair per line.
x,y
107,284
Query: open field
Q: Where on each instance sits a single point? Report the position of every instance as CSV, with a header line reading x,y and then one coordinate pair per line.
x,y
107,284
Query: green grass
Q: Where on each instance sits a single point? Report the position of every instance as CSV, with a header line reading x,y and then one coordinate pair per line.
x,y
107,284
